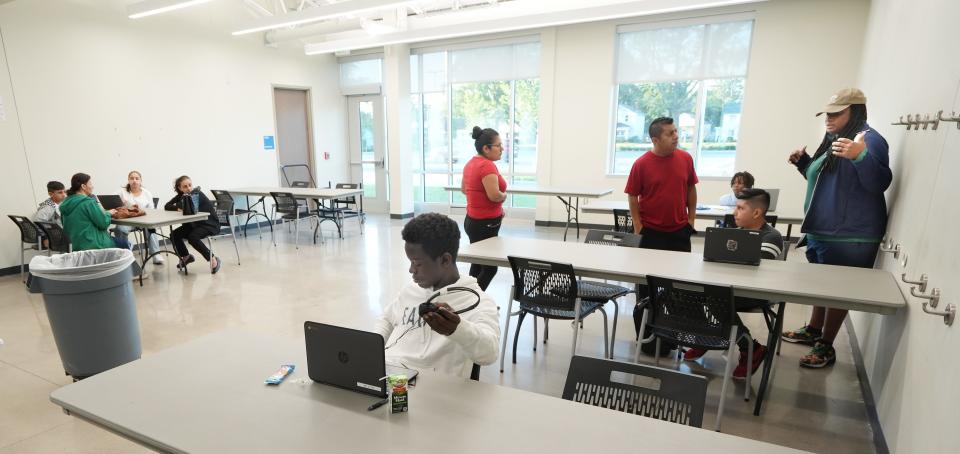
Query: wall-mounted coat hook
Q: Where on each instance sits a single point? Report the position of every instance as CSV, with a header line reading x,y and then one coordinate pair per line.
x,y
900,122
893,250
948,315
933,297
954,117
921,284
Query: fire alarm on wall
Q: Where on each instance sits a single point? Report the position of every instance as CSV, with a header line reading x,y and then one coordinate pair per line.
x,y
326,156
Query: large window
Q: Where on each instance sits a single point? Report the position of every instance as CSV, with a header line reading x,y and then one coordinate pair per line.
x,y
694,74
453,91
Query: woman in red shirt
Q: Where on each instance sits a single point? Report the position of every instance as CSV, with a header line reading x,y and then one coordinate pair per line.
x,y
485,190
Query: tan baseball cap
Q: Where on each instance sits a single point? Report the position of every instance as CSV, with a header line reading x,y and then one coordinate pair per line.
x,y
843,99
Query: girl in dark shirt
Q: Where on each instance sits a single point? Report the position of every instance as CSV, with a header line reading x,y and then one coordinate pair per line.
x,y
189,201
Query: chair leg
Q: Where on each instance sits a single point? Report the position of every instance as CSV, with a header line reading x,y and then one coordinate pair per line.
x,y
535,333
516,335
576,324
656,354
546,329
728,371
506,330
749,380
606,339
613,333
296,235
640,339
22,260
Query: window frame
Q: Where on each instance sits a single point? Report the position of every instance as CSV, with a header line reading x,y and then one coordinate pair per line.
x,y
700,103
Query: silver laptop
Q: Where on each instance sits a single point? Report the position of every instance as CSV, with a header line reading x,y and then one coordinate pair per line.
x,y
774,196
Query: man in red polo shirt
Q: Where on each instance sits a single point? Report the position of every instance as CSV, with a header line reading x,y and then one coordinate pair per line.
x,y
662,191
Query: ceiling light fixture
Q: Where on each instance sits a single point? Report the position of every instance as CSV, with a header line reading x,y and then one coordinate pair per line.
x,y
152,7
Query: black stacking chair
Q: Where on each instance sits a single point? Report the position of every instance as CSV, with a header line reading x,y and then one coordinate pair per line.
x,y
31,239
638,389
286,205
57,239
696,315
603,292
622,221
548,290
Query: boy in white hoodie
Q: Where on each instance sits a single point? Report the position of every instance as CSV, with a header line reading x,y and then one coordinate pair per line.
x,y
454,337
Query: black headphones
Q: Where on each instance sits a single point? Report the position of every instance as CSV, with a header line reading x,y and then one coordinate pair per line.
x,y
428,306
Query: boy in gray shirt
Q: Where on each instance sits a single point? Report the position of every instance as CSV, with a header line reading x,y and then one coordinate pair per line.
x,y
49,210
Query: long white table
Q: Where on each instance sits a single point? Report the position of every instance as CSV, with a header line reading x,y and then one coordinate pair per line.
x,y
857,289
208,396
301,193
712,212
569,196
157,219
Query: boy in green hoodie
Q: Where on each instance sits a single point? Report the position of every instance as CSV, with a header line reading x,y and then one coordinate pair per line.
x,y
84,221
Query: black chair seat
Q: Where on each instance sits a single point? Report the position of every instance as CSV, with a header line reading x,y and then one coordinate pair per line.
x,y
600,291
586,308
689,339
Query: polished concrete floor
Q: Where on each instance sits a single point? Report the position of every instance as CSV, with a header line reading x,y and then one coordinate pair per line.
x,y
347,282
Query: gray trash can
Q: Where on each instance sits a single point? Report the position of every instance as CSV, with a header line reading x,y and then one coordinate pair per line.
x,y
89,300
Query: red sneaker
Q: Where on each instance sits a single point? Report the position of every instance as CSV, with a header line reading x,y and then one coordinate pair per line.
x,y
693,354
759,354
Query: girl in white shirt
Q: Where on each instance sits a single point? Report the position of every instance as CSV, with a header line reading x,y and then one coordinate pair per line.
x,y
135,195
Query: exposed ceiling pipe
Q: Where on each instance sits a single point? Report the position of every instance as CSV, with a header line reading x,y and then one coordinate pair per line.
x,y
256,6
280,36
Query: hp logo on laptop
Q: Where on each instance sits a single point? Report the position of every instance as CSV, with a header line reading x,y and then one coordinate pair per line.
x,y
732,245
343,357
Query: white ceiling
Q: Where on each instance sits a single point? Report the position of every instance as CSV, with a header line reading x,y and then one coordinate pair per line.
x,y
327,26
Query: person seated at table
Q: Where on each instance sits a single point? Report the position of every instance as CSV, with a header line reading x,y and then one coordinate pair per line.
x,y
750,214
134,195
453,342
84,221
49,210
190,201
739,182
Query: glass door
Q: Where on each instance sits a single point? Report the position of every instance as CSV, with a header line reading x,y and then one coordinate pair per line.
x,y
368,157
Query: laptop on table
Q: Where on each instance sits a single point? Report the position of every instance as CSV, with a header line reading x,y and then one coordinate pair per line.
x,y
737,246
110,201
349,359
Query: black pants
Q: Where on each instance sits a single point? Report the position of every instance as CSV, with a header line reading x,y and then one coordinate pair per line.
x,y
477,230
667,241
194,235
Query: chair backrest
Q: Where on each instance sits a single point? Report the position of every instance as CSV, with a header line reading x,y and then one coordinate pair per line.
x,y
545,284
284,202
224,199
638,389
610,238
351,199
57,239
300,184
156,202
622,221
29,233
730,222
223,210
682,311
294,172
475,372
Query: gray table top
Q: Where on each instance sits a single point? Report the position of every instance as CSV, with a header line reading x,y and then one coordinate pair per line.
x,y
313,193
160,218
208,396
859,289
712,211
559,191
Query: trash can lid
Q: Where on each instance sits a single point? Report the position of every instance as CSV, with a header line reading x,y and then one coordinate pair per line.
x,y
81,265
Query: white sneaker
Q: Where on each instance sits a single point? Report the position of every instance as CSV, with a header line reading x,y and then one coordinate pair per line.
x,y
158,260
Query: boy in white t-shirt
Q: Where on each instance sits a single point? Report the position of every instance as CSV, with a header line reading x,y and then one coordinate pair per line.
x,y
463,331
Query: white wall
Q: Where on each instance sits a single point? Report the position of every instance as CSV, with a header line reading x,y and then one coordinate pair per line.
x,y
103,94
910,66
787,83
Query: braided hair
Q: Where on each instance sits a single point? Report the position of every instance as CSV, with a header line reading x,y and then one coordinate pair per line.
x,y
856,124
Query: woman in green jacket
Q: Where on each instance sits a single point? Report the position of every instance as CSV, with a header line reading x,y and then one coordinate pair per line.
x,y
84,221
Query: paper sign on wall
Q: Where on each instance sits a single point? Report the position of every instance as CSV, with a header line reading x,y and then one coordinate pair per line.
x,y
268,143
